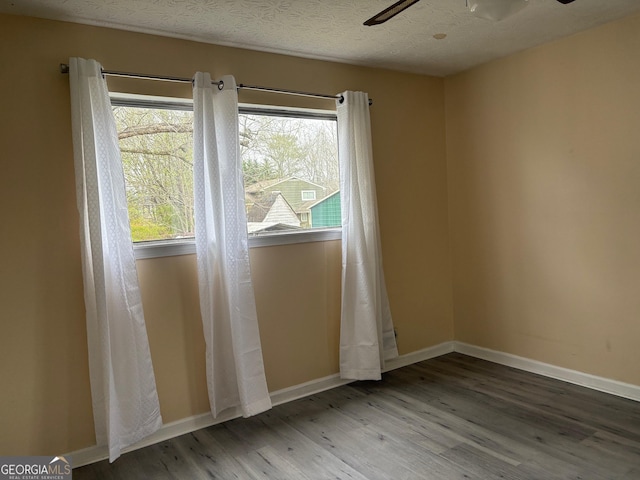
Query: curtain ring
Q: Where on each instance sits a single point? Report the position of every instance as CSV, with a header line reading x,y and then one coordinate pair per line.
x,y
221,85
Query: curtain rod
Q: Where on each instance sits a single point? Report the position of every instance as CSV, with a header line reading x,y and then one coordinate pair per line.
x,y
64,68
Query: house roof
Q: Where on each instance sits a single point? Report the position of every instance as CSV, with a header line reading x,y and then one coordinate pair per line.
x,y
323,199
259,186
258,193
258,227
261,206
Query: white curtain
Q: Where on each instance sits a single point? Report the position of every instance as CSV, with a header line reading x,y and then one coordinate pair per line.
x,y
367,338
235,370
123,388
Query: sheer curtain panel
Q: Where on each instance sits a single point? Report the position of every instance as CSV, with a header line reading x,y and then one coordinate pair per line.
x,y
367,338
235,370
123,387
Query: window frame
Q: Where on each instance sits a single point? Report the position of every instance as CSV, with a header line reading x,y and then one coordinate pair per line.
x,y
170,248
313,192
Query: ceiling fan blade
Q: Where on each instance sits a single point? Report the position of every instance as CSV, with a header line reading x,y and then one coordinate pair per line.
x,y
390,12
564,2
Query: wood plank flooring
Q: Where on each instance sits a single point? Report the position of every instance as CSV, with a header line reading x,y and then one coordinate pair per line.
x,y
452,417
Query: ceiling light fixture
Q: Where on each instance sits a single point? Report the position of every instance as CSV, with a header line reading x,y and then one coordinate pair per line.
x,y
495,10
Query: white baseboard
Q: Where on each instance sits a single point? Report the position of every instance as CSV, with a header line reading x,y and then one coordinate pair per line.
x,y
197,422
601,384
420,355
187,425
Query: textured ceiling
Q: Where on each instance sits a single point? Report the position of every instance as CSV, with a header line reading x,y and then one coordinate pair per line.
x,y
333,30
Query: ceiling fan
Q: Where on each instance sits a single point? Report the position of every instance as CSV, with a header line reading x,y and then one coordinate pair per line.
x,y
504,8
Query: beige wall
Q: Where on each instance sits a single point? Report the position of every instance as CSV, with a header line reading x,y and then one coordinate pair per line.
x,y
543,155
538,183
45,406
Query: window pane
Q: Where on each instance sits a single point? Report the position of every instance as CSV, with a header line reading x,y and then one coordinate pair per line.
x,y
290,169
291,172
156,146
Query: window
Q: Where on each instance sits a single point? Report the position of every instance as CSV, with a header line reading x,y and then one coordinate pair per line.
x,y
308,195
290,165
156,146
290,159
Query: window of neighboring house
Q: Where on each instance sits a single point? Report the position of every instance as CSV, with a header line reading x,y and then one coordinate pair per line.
x,y
290,164
308,195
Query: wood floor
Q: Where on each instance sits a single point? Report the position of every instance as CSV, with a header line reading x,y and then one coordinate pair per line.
x,y
453,417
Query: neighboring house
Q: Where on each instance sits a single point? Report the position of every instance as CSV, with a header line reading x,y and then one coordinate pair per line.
x,y
270,211
327,211
300,195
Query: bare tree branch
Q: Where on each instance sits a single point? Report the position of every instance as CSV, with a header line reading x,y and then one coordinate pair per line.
x,y
138,130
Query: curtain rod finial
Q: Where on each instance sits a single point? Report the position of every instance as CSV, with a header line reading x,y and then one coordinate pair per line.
x,y
64,68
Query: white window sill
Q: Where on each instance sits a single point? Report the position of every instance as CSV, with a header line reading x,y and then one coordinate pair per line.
x,y
172,248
